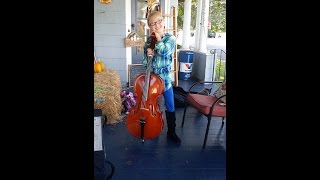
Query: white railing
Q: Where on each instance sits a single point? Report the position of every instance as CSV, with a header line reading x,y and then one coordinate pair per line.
x,y
219,64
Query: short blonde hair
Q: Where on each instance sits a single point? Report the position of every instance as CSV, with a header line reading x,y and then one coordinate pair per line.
x,y
154,14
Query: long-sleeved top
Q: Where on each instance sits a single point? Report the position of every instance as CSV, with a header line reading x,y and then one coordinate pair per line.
x,y
162,59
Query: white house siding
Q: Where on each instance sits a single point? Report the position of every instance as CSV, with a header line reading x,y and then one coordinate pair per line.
x,y
111,25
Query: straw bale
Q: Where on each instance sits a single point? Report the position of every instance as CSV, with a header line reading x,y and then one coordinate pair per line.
x,y
107,87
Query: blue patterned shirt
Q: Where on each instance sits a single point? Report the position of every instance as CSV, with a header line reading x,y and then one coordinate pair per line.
x,y
162,59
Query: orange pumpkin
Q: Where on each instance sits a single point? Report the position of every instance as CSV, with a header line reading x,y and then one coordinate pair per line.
x,y
97,67
102,65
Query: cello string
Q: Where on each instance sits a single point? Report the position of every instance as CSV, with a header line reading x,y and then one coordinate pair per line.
x,y
147,78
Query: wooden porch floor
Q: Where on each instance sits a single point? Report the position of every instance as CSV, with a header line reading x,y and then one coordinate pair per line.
x,y
160,159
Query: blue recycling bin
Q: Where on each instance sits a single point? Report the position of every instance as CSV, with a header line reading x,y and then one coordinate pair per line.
x,y
185,64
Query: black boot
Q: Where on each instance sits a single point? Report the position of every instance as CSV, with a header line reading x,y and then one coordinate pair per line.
x,y
171,123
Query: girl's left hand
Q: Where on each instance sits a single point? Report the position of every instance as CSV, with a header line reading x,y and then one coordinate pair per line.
x,y
150,52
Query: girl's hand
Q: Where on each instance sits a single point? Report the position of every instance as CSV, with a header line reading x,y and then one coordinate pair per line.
x,y
158,36
150,52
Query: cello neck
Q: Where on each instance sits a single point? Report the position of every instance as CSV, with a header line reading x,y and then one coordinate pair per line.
x,y
147,78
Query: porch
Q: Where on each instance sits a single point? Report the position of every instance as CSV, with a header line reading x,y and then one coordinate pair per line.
x,y
159,158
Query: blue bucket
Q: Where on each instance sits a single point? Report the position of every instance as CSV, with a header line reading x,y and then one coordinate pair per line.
x,y
185,64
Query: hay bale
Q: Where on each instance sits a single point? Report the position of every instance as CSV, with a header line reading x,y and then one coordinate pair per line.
x,y
107,87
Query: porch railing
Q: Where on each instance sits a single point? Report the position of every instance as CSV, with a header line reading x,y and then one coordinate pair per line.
x,y
219,64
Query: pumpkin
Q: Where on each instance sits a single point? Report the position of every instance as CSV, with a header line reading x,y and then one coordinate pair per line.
x,y
97,67
102,65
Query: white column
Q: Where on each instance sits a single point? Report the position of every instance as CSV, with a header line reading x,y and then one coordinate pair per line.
x,y
186,24
128,51
204,26
198,22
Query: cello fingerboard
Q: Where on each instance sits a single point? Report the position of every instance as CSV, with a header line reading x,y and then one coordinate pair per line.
x,y
147,80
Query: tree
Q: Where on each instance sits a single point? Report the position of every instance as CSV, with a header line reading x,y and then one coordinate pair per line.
x,y
217,14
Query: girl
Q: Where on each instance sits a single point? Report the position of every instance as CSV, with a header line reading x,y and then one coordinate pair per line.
x,y
162,56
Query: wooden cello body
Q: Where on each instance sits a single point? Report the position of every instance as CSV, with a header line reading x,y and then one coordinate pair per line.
x,y
145,119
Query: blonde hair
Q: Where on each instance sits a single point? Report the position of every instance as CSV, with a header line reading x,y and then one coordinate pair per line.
x,y
154,13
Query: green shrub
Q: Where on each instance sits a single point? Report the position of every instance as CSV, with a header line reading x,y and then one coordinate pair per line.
x,y
220,70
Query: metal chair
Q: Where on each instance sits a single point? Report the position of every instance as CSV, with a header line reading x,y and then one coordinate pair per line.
x,y
207,104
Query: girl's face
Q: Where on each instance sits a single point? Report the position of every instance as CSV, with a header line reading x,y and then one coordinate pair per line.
x,y
156,25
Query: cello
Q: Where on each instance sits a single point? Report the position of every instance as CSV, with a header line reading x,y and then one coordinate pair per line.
x,y
145,119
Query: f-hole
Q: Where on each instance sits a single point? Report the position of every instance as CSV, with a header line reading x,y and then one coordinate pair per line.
x,y
152,110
